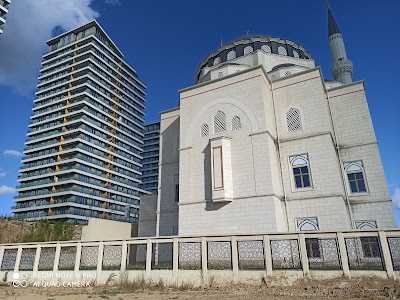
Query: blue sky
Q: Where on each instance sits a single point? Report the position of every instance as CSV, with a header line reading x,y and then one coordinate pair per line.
x,y
166,40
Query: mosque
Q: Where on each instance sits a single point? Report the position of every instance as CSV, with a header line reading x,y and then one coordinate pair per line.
x,y
264,143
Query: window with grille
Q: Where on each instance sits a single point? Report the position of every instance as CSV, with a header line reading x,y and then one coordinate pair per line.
x,y
295,54
219,122
355,177
282,50
236,125
301,171
217,61
266,48
248,50
370,246
231,55
204,130
293,119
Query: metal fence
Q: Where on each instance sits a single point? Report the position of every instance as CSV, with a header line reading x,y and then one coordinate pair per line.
x,y
349,251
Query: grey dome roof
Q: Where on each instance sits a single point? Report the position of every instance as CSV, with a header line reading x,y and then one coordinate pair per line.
x,y
256,42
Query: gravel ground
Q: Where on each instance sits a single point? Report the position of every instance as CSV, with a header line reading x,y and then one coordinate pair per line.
x,y
365,288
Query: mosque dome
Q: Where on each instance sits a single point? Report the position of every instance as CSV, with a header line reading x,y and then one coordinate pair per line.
x,y
247,46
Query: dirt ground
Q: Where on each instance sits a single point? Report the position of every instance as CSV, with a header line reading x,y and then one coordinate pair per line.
x,y
365,288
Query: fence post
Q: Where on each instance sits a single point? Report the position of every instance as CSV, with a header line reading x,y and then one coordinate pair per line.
x,y
99,261
386,254
148,258
78,257
234,258
37,258
57,257
204,260
175,258
267,255
124,255
303,255
343,254
1,256
18,259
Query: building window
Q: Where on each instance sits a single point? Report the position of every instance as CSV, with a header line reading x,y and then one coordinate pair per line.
x,y
231,55
355,177
307,224
176,183
370,246
282,50
236,125
293,119
220,74
204,130
366,224
248,50
219,122
295,54
301,171
217,61
266,48
312,244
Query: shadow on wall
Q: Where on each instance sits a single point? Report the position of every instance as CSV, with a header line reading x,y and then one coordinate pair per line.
x,y
207,173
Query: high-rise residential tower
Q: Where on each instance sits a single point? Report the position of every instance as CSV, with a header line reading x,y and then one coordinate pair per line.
x,y
3,11
83,154
151,149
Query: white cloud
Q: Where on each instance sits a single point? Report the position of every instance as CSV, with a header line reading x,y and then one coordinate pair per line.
x,y
13,153
396,198
2,173
29,25
6,190
113,2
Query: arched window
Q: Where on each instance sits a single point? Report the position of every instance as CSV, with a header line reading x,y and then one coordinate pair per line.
x,y
217,61
248,50
301,171
282,50
293,119
295,54
204,130
266,48
355,176
231,55
219,122
236,125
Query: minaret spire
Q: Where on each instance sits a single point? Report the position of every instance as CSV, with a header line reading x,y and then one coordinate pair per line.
x,y
342,68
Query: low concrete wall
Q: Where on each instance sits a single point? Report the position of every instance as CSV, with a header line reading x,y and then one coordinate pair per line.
x,y
205,260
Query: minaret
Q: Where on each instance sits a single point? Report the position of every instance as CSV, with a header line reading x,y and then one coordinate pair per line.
x,y
342,68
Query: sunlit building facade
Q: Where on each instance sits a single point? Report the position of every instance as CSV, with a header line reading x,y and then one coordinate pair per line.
x,y
83,152
3,11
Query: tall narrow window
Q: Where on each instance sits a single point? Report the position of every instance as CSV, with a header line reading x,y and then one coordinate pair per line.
x,y
293,119
217,61
313,245
219,122
176,183
204,130
301,171
355,176
236,125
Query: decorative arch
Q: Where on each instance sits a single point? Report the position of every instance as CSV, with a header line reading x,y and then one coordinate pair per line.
x,y
239,104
